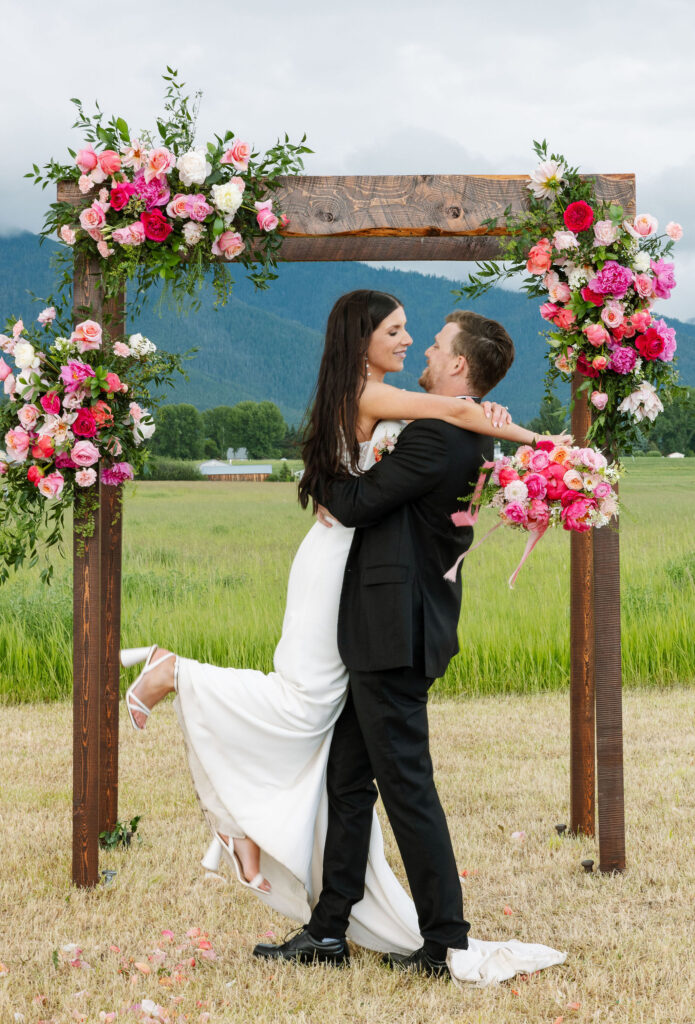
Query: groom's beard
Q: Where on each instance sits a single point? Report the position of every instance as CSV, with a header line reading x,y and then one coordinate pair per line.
x,y
425,380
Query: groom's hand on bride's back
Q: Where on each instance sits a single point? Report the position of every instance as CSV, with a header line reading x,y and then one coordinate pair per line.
x,y
325,517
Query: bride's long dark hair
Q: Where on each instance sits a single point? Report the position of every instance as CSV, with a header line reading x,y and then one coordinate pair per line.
x,y
331,449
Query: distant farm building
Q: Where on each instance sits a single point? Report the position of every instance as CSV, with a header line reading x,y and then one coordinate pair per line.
x,y
216,470
676,455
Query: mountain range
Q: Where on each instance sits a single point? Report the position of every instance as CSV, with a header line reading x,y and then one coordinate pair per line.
x,y
266,345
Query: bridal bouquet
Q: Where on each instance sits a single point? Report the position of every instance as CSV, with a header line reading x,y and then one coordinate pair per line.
x,y
75,414
599,274
541,486
159,206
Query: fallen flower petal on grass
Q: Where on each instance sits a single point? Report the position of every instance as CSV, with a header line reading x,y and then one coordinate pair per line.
x,y
115,949
143,968
167,935
507,910
574,1006
4,971
519,836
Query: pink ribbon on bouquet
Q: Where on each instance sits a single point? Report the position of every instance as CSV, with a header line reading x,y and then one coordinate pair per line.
x,y
534,535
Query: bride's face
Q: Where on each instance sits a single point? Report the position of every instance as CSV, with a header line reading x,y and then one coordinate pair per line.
x,y
388,345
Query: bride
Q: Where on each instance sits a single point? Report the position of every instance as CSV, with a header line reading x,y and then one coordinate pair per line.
x,y
258,744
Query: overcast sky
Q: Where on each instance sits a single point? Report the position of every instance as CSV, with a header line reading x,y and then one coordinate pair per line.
x,y
379,87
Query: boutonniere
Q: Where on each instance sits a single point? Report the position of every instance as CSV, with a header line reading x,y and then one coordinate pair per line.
x,y
385,445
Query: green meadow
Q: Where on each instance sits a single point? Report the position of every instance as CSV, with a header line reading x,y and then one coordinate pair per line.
x,y
206,565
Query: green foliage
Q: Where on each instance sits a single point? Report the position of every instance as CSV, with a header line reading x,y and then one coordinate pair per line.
x,y
159,467
674,429
179,432
256,426
121,835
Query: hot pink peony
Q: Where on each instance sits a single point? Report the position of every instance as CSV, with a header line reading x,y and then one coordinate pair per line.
x,y
536,485
664,278
154,192
116,474
198,208
515,512
75,374
622,359
576,516
613,279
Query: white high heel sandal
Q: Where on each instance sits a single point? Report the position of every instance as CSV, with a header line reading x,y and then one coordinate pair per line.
x,y
214,851
134,656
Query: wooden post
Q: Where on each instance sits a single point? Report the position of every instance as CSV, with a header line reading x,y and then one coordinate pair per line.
x,y
582,751
86,638
111,556
609,710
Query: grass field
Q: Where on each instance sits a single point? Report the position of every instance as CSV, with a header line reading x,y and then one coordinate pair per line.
x,y
206,565
501,766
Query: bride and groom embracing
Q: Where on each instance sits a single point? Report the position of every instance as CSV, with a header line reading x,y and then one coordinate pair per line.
x,y
285,764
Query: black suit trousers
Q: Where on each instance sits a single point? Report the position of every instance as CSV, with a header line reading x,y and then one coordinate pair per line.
x,y
383,735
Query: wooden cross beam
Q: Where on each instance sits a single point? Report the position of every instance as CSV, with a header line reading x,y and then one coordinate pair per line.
x,y
390,217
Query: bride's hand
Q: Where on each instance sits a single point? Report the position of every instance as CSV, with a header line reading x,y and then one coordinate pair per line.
x,y
555,438
325,517
499,414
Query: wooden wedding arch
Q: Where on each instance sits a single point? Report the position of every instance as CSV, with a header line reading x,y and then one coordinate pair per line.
x,y
420,217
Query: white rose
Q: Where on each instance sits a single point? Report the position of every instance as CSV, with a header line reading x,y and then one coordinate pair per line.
x,y
192,232
24,355
140,346
227,197
144,428
641,262
193,167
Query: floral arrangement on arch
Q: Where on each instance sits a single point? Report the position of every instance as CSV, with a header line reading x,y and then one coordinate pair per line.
x,y
542,486
599,273
76,415
160,207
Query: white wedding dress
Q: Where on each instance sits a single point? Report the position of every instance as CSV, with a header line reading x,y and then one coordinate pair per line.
x,y
258,746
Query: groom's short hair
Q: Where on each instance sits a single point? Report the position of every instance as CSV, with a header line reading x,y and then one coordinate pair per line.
x,y
486,346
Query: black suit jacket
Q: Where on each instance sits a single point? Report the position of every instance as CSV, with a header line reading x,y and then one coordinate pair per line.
x,y
394,596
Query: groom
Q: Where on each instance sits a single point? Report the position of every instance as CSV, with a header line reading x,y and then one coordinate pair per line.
x,y
396,634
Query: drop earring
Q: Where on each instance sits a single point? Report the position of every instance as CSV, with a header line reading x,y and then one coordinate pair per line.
x,y
366,366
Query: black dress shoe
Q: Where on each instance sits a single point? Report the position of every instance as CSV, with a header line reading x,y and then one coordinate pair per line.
x,y
419,962
305,949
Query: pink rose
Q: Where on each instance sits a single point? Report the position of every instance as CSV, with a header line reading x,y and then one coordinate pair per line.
x,y
605,233
549,310
538,513
135,411
94,217
506,474
5,370
114,383
86,159
121,194
84,424
229,244
267,221
536,485
538,461
120,349
87,335
602,489
238,155
28,416
643,285
564,319
599,363
86,477
178,206
84,453
68,235
103,249
539,257
51,486
674,230
159,163
645,224
131,234
109,161
573,480
599,399
596,334
197,207
17,443
641,320
50,403
47,315
612,313
515,512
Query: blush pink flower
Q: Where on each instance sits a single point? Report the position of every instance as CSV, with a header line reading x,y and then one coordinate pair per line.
x,y
238,156
664,278
267,221
28,415
596,334
599,399
605,232
198,208
229,244
85,184
84,453
87,336
565,240
641,320
131,234
573,480
643,285
67,234
602,489
115,383
178,206
121,349
158,163
538,461
5,370
94,217
135,411
612,313
17,443
645,225
47,315
86,477
51,485
674,231
539,257
86,159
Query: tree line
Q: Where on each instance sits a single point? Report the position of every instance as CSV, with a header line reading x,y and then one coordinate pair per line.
x,y
259,427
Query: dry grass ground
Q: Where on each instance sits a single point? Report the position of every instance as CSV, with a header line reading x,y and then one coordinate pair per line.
x,y
502,767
